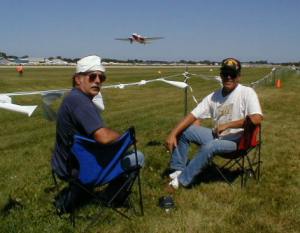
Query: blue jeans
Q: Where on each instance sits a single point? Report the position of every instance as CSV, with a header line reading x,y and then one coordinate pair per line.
x,y
129,160
208,147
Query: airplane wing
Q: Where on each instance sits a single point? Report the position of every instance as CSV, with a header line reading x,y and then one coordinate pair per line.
x,y
21,93
48,96
154,38
149,40
6,103
124,39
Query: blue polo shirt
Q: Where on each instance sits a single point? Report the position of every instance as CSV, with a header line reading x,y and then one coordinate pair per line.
x,y
77,115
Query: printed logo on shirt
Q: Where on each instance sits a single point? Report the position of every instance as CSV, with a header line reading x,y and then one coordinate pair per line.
x,y
224,115
225,110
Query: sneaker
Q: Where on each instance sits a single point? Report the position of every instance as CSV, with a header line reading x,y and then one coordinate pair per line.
x,y
175,174
174,183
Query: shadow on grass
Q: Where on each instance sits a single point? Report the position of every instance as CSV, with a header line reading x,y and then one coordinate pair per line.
x,y
154,143
12,203
209,174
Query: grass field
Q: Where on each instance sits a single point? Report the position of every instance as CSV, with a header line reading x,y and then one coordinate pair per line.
x,y
269,206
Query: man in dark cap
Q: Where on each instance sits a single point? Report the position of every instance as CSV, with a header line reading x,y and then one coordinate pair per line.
x,y
228,107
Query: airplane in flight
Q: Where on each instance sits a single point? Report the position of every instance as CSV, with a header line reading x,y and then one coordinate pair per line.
x,y
139,39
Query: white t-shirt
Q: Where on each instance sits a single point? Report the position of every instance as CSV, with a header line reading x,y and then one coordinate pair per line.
x,y
242,101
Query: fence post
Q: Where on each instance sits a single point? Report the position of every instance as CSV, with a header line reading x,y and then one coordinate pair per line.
x,y
185,91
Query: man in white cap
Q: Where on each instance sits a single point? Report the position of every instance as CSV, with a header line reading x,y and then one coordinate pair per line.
x,y
79,115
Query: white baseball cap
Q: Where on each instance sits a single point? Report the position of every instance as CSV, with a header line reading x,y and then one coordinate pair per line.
x,y
89,63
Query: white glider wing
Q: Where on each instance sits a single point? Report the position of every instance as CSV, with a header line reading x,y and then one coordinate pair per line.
x,y
49,96
6,103
6,100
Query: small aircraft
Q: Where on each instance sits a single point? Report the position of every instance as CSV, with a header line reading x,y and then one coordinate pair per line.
x,y
139,39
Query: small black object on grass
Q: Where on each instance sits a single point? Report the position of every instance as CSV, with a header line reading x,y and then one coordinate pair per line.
x,y
166,203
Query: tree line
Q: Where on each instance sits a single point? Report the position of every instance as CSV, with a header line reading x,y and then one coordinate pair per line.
x,y
139,61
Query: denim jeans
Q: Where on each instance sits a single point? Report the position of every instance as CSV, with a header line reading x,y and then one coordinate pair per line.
x,y
129,160
208,147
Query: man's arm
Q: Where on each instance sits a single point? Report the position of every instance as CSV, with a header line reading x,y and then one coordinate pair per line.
x,y
171,141
105,135
255,118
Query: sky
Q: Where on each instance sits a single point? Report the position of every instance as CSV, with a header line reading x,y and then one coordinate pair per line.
x,y
192,29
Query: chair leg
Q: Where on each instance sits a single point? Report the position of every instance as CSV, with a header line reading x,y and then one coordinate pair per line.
x,y
54,179
72,217
139,178
140,194
243,171
259,162
220,172
126,185
251,168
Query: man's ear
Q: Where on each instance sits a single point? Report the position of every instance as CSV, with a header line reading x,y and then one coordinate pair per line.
x,y
77,80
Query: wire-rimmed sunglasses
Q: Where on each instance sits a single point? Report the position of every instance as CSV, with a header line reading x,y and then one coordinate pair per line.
x,y
92,76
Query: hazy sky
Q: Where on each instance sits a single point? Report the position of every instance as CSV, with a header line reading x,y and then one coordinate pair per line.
x,y
193,30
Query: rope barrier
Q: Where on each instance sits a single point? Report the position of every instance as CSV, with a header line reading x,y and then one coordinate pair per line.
x,y
50,95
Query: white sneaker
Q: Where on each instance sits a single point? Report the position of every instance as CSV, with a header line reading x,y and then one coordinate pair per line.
x,y
175,174
174,183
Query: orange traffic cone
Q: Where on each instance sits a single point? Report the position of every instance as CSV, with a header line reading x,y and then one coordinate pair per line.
x,y
278,83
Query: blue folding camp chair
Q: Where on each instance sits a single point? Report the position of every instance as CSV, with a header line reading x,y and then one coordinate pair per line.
x,y
247,156
99,164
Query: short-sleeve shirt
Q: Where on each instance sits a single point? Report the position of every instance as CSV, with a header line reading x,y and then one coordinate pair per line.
x,y
242,101
77,115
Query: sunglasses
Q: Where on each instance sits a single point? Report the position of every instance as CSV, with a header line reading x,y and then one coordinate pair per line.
x,y
227,75
93,76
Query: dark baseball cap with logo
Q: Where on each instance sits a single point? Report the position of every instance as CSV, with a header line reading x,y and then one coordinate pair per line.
x,y
230,66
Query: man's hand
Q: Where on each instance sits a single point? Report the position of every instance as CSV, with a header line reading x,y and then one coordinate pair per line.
x,y
171,142
255,118
220,128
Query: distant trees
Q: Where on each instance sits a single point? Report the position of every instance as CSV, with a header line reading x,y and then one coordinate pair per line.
x,y
69,60
291,63
139,61
3,54
12,57
261,62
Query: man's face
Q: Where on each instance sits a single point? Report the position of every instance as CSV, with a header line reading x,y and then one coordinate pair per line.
x,y
90,83
229,81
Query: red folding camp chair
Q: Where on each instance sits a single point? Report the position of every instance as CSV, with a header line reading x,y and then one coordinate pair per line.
x,y
246,157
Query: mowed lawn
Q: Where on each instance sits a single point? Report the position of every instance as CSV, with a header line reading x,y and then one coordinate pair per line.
x,y
272,205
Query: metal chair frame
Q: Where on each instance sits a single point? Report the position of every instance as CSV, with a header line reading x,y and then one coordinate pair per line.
x,y
127,184
247,157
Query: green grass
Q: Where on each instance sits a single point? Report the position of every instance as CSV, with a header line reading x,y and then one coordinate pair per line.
x,y
270,206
